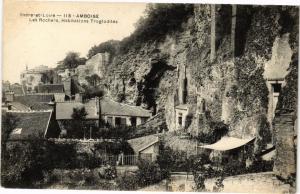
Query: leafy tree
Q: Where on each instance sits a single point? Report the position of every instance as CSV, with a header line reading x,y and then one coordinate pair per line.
x,y
148,173
149,28
110,46
72,60
93,80
9,123
78,116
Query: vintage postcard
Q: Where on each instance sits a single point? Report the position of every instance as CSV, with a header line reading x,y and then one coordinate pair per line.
x,y
149,96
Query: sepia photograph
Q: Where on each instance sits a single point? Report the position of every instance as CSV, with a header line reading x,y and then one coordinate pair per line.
x,y
176,97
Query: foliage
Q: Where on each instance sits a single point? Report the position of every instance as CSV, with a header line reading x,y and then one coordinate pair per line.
x,y
171,160
72,60
127,182
93,80
150,28
77,123
92,92
218,130
109,172
119,132
148,173
9,123
29,170
252,90
110,46
113,148
288,97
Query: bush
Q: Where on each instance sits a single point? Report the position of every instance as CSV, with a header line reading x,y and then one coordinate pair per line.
x,y
108,172
127,182
148,173
171,17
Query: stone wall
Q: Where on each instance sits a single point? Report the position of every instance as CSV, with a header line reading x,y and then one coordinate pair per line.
x,y
285,142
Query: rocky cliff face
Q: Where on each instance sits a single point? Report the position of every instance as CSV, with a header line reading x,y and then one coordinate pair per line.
x,y
220,70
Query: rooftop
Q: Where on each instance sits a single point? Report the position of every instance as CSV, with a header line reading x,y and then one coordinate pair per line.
x,y
64,110
35,101
51,88
110,107
30,123
141,143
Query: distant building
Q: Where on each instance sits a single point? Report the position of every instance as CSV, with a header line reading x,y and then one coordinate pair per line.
x,y
95,65
32,124
31,78
66,73
113,113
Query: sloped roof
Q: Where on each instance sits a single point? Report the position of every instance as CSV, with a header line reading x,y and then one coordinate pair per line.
x,y
30,123
36,101
51,88
19,106
110,107
228,143
141,143
64,110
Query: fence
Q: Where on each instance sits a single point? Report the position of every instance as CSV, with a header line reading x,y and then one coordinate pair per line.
x,y
120,160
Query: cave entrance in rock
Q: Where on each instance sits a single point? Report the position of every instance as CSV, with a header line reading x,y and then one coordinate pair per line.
x,y
149,88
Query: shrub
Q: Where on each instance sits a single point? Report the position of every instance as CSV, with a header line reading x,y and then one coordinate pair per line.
x,y
108,172
148,173
127,182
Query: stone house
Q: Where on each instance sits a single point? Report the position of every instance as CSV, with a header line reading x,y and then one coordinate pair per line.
x,y
34,124
119,114
146,147
64,111
31,78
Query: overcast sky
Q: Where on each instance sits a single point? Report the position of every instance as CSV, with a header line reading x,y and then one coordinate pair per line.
x,y
34,44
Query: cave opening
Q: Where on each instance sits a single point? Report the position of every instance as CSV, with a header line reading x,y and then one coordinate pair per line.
x,y
148,90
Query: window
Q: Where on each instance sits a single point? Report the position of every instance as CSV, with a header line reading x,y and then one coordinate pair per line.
x,y
120,121
123,121
276,87
133,121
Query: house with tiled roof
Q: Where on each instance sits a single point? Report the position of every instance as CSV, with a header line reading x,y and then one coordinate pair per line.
x,y
118,114
32,124
64,111
36,101
146,147
50,88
